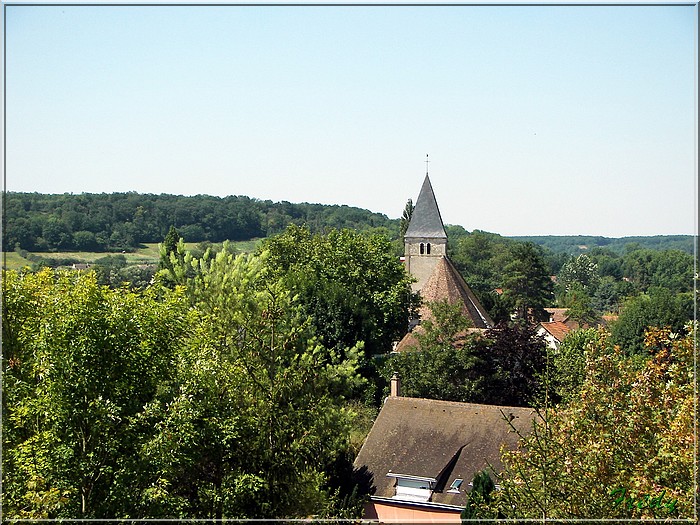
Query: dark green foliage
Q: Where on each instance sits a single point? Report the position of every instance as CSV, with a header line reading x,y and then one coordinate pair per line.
x,y
478,496
502,367
659,308
445,363
568,363
168,248
350,285
572,244
579,305
527,283
481,257
122,221
610,294
406,218
513,363
670,269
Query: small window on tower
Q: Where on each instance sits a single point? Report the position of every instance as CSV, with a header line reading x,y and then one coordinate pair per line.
x,y
428,249
422,248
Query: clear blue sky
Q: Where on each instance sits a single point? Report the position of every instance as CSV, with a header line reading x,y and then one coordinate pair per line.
x,y
538,120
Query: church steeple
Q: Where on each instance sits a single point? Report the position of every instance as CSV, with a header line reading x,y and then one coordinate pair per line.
x,y
426,220
425,240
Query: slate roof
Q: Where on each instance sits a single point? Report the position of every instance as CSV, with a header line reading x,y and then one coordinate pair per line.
x,y
446,284
443,440
426,220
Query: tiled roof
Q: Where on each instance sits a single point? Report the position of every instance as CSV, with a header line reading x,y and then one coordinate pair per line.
x,y
446,284
426,220
557,314
410,343
442,440
609,318
557,329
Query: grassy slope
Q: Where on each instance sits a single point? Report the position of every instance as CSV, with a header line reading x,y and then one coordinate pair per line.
x,y
149,254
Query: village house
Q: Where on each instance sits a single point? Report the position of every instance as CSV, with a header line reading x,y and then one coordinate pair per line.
x,y
422,454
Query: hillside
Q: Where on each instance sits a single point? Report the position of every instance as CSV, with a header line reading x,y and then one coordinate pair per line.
x,y
576,244
126,221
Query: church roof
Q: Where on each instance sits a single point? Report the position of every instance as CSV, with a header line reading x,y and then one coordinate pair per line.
x,y
426,220
446,284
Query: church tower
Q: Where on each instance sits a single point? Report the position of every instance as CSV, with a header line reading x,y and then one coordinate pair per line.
x,y
425,245
425,241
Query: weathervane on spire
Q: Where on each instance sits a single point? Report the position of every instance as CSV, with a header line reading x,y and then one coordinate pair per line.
x,y
426,163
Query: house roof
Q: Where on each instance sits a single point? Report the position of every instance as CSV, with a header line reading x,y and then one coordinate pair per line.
x,y
557,314
446,284
425,219
557,329
410,343
441,440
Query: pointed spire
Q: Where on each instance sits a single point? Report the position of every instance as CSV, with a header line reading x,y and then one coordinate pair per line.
x,y
426,220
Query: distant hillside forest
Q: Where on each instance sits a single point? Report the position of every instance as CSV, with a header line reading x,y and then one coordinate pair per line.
x,y
122,221
118,222
576,244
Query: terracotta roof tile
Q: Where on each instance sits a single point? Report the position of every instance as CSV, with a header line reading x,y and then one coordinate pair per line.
x,y
557,329
446,284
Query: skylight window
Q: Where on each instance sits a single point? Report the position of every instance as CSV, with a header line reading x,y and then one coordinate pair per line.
x,y
454,488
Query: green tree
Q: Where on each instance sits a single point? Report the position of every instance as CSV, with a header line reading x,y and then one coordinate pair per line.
x,y
527,283
579,271
670,269
568,362
623,447
350,285
443,364
80,361
660,308
256,414
169,247
481,257
479,497
501,367
406,218
512,364
579,305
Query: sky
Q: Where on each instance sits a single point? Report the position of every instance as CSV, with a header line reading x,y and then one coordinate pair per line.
x,y
538,120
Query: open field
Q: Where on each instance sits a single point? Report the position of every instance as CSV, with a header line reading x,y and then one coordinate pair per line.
x,y
147,254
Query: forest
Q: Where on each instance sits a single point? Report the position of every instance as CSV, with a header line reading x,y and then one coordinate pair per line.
x,y
122,221
217,384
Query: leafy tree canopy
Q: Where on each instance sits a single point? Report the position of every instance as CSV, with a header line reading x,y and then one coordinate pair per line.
x,y
623,447
349,283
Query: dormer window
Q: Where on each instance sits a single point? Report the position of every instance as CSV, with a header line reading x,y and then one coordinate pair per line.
x,y
412,488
